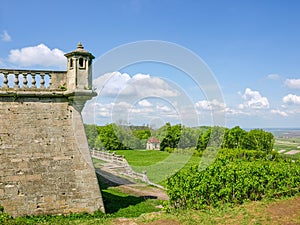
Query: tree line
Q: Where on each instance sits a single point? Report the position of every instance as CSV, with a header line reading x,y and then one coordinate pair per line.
x,y
115,137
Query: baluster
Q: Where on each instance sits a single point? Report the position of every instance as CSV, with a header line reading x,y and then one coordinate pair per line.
x,y
50,80
25,81
5,80
42,82
16,80
33,81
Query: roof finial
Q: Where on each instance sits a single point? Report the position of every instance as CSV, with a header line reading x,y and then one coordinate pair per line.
x,y
79,46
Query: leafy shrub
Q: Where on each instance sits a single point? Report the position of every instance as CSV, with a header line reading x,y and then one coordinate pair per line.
x,y
233,180
4,217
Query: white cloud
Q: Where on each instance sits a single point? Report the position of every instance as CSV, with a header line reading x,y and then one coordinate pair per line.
x,y
279,112
164,108
138,98
253,100
145,103
291,99
273,76
210,105
230,111
292,83
141,111
121,84
39,55
110,84
5,36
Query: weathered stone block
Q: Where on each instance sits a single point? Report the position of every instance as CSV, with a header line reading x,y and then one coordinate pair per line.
x,y
41,156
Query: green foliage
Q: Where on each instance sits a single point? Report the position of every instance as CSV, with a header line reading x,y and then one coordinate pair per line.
x,y
248,155
169,150
258,139
113,136
4,217
76,218
91,132
234,177
142,134
233,138
172,137
213,137
177,136
236,138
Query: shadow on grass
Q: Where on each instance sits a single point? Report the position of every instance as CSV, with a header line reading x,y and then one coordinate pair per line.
x,y
116,201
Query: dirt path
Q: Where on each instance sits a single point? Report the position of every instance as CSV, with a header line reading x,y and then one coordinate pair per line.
x,y
143,190
285,212
130,187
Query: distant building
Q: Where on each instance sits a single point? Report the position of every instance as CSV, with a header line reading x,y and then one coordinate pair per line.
x,y
153,144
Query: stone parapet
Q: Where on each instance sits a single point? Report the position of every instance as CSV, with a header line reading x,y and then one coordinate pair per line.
x,y
33,80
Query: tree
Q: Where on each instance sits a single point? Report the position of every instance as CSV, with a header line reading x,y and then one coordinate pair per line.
x,y
108,139
172,136
142,134
258,139
91,132
189,137
233,138
203,139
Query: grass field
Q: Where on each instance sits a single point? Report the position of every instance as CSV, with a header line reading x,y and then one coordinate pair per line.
x,y
279,212
143,157
158,165
285,145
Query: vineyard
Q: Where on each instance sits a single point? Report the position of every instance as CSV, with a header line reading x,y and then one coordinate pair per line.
x,y
234,177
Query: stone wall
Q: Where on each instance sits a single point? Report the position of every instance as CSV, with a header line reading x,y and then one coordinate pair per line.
x,y
45,166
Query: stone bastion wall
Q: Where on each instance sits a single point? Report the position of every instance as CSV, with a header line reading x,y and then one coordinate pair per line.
x,y
44,169
45,164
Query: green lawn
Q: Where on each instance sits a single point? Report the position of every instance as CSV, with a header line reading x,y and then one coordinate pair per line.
x,y
137,212
159,165
143,157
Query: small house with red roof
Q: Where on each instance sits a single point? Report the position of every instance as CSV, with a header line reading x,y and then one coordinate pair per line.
x,y
153,144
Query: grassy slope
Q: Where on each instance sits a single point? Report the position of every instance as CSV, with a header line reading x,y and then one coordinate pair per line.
x,y
284,211
158,165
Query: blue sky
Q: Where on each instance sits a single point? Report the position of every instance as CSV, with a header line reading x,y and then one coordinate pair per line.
x,y
252,48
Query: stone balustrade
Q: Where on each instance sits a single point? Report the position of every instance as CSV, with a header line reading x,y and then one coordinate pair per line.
x,y
121,161
32,80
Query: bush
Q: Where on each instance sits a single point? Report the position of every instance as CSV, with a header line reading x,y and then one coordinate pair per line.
x,y
4,217
231,180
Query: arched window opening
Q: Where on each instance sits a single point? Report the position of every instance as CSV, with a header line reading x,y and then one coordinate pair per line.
x,y
81,62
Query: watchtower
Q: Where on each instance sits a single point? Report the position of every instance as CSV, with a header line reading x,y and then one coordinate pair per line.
x,y
79,71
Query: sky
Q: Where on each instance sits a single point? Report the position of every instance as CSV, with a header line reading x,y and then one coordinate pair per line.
x,y
248,50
